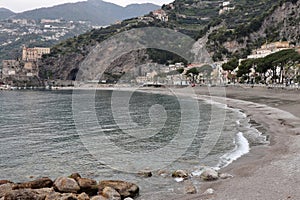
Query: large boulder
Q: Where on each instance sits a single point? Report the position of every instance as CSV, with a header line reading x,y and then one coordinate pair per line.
x,y
36,184
66,185
125,189
110,194
209,174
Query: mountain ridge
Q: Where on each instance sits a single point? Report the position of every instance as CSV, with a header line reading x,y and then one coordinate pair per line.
x,y
98,12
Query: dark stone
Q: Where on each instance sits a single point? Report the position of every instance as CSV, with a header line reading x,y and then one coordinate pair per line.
x,y
36,184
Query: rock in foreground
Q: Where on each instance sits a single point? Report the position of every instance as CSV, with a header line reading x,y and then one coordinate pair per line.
x,y
67,185
209,175
125,189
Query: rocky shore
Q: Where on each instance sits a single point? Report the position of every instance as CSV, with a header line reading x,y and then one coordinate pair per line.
x,y
75,187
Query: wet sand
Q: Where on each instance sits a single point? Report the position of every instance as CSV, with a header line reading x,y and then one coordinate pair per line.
x,y
269,172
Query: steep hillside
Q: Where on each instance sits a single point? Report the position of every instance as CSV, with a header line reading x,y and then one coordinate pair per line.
x,y
96,11
5,13
234,30
250,25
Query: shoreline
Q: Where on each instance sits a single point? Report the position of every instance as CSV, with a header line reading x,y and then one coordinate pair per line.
x,y
268,171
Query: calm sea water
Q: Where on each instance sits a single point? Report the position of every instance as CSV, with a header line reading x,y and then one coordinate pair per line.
x,y
38,135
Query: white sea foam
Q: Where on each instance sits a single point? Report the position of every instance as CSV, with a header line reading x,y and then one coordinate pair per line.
x,y
242,147
178,180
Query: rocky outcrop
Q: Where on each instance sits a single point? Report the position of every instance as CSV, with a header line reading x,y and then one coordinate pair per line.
x,y
125,189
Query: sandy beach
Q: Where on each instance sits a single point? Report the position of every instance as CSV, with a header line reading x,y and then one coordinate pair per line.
x,y
269,172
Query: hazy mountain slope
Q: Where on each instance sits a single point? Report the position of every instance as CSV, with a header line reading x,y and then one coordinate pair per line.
x,y
5,13
96,11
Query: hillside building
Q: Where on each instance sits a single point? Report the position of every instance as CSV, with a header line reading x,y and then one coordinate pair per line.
x,y
268,49
161,15
33,54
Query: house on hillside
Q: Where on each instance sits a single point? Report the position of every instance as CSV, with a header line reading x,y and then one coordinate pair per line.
x,y
33,54
161,15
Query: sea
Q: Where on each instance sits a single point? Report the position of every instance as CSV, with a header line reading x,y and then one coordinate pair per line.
x,y
109,135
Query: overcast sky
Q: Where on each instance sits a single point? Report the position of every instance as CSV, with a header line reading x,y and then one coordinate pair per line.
x,y
22,5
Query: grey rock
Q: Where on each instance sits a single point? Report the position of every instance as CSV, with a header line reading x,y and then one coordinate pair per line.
x,y
209,175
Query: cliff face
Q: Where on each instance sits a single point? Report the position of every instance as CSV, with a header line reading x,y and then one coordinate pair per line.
x,y
235,33
282,24
286,22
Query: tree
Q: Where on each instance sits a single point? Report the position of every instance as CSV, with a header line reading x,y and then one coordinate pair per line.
x,y
231,65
